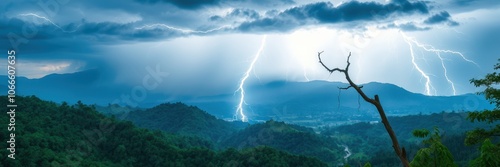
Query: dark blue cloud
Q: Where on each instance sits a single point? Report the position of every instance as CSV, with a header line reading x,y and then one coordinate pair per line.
x,y
268,3
271,1
460,6
238,13
75,42
326,12
410,26
185,4
197,4
249,13
472,2
100,31
112,32
268,24
442,17
249,20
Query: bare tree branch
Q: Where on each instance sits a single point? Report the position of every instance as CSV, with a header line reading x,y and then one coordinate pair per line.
x,y
376,102
335,69
345,88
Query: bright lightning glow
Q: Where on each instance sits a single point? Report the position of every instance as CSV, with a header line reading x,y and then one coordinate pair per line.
x,y
446,74
438,52
305,74
50,21
428,79
185,31
241,89
432,49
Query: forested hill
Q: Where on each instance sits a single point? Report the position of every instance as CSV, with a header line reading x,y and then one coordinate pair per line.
x,y
181,119
50,134
185,120
291,138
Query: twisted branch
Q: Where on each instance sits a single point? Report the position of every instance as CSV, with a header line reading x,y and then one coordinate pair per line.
x,y
401,153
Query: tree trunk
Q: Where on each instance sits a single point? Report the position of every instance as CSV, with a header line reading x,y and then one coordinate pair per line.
x,y
376,102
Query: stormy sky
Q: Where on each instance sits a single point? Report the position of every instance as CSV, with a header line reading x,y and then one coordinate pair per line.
x,y
206,46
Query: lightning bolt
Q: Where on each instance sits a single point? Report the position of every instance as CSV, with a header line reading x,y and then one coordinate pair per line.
x,y
305,74
185,31
50,21
438,52
239,110
446,74
427,78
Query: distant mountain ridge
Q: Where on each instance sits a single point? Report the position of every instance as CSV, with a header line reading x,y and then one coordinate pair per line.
x,y
280,100
89,86
291,99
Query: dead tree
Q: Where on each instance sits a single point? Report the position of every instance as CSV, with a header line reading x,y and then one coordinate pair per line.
x,y
376,102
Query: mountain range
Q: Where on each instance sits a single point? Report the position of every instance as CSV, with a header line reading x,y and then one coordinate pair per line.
x,y
281,100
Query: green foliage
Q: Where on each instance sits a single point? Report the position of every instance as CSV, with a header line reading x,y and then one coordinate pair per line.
x,y
420,133
492,93
478,135
267,156
436,154
489,151
489,81
115,110
181,119
291,138
178,118
369,142
489,155
48,134
484,116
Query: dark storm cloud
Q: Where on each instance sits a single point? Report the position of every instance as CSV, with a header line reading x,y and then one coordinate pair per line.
x,y
326,12
248,13
463,2
75,41
269,24
267,3
152,26
473,2
353,13
197,4
442,17
184,4
237,13
410,26
111,32
20,31
461,6
271,1
43,42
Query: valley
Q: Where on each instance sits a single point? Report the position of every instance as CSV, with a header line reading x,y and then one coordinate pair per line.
x,y
312,122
